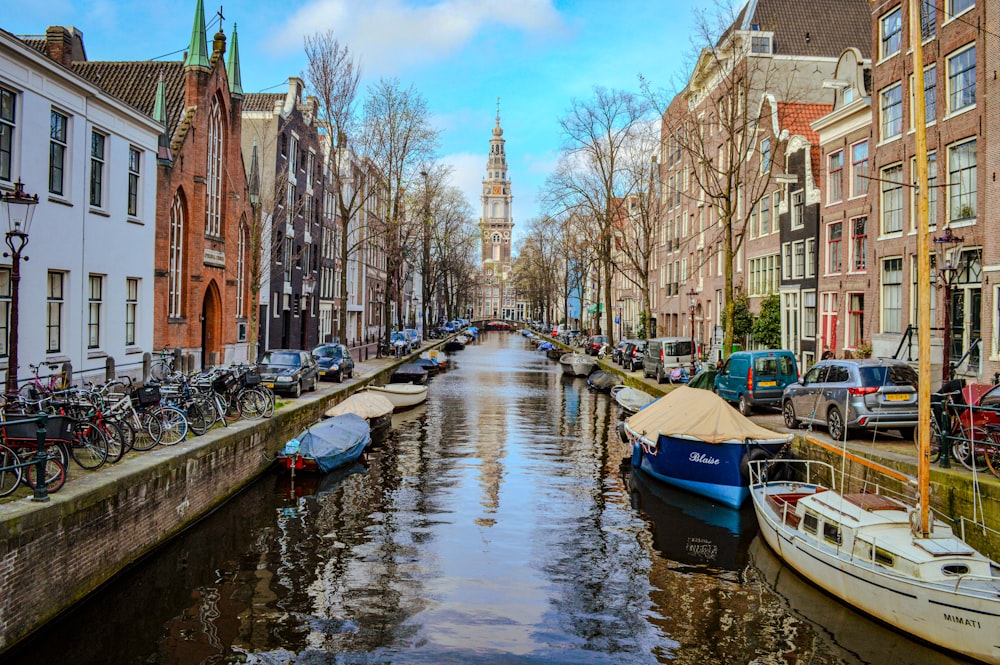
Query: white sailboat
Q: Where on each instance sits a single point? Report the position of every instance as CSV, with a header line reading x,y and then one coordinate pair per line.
x,y
875,552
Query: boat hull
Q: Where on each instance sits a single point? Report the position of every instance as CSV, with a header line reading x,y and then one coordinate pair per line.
x,y
307,463
401,399
964,623
713,470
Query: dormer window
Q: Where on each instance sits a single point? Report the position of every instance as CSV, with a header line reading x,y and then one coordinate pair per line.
x,y
760,44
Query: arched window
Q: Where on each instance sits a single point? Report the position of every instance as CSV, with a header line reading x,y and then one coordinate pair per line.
x,y
496,238
175,270
213,206
241,258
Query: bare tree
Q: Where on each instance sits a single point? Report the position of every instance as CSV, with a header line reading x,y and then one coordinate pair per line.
x,y
591,179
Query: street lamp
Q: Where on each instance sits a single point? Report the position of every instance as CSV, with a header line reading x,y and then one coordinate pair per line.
x,y
692,294
948,253
17,209
378,312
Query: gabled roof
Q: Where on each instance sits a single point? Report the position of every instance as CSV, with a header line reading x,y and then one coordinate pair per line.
x,y
261,101
819,28
798,118
135,84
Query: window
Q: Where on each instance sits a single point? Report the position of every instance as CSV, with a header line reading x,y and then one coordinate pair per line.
x,y
956,7
8,106
175,266
962,181
831,533
914,301
760,44
835,177
891,32
810,257
786,260
859,243
213,202
930,96
810,523
765,273
131,309
4,309
798,208
855,319
765,215
834,234
892,199
809,314
892,111
95,301
859,169
928,19
798,259
57,152
932,191
241,260
97,145
134,157
962,79
831,305
54,304
765,156
892,295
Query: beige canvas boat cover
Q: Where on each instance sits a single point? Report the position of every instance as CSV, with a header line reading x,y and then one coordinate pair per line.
x,y
699,414
365,404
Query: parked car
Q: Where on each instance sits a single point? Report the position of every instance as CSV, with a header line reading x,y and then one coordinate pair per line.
x,y
400,343
333,361
756,378
414,336
289,371
617,352
846,394
663,354
595,343
633,354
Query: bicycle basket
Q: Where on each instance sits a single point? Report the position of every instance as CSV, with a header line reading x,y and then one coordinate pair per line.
x,y
222,382
58,428
146,396
252,377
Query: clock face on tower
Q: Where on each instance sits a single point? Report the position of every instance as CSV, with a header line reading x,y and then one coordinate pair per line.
x,y
496,189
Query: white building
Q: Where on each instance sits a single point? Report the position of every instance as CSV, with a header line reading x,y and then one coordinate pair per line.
x,y
86,295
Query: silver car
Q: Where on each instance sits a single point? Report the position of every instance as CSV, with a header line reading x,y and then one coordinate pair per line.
x,y
846,394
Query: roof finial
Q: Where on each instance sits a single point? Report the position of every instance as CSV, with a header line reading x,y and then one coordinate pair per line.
x,y
498,110
198,49
233,67
221,17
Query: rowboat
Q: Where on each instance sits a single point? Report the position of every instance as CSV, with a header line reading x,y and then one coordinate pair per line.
x,y
375,408
328,444
602,381
631,400
577,364
402,395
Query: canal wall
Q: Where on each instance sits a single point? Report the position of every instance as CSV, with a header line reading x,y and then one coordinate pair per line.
x,y
55,553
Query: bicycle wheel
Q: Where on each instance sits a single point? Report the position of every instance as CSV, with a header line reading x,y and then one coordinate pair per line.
x,y
173,425
993,457
268,401
117,439
10,472
89,447
230,407
147,432
127,431
253,403
935,440
55,475
159,370
198,420
969,449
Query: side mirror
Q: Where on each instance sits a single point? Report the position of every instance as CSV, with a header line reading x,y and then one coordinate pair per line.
x,y
802,382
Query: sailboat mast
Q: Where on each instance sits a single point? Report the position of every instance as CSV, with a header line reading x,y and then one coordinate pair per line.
x,y
923,273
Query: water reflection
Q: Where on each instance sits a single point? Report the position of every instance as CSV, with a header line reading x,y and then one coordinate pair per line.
x,y
494,524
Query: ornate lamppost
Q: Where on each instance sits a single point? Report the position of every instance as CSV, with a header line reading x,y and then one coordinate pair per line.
x,y
948,254
692,303
17,209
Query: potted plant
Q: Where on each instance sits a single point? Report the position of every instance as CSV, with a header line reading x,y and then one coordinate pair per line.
x,y
864,350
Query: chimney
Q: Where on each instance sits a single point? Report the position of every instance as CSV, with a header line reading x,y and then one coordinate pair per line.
x,y
59,45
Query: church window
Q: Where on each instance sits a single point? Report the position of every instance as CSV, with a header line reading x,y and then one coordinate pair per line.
x,y
175,272
213,207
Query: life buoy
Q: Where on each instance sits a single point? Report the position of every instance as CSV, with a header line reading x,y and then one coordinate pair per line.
x,y
637,455
755,455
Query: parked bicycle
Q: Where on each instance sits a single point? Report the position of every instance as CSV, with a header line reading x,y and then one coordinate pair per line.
x,y
974,441
163,365
40,386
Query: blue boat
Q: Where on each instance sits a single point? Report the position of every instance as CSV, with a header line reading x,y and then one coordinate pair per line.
x,y
694,440
328,444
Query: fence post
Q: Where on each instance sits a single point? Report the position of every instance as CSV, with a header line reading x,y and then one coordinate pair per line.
x,y
147,363
41,460
67,374
177,359
109,369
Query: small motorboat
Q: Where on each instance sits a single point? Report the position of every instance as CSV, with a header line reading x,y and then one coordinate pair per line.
x,y
454,345
577,364
437,356
631,400
328,444
602,381
409,373
375,408
402,395
555,353
431,366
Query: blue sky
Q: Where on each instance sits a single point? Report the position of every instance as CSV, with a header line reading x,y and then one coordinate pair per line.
x,y
536,55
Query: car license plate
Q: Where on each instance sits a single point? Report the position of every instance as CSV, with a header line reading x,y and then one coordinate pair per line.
x,y
896,397
767,384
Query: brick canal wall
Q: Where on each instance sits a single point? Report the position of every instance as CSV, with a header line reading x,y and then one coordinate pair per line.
x,y
54,554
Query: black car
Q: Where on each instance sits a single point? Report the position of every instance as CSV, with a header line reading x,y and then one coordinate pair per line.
x,y
632,355
334,362
289,371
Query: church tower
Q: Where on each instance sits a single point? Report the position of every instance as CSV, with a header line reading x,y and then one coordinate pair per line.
x,y
496,223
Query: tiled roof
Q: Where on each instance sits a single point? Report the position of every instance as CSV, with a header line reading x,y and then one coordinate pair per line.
x,y
821,28
798,118
36,42
261,101
135,84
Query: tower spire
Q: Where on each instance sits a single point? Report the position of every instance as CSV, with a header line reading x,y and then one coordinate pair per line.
x,y
233,67
198,49
163,154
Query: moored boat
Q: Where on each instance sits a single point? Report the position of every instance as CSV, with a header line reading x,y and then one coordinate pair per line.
x,y
693,439
375,408
437,356
603,381
454,345
402,395
409,373
631,400
328,444
577,364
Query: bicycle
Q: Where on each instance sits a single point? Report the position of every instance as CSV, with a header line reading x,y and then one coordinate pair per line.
x,y
163,365
35,388
20,438
975,446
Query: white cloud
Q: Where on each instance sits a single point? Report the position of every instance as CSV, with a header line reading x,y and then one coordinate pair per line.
x,y
389,35
467,171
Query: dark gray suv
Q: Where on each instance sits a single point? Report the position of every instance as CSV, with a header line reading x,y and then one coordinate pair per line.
x,y
846,394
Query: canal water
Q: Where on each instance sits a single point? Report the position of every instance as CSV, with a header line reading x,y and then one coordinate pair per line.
x,y
497,523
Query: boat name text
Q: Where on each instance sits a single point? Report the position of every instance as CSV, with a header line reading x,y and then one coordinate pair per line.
x,y
702,458
961,621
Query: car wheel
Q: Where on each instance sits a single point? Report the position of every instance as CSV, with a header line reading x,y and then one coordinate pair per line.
x,y
835,424
659,375
313,385
297,391
744,405
339,376
788,411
